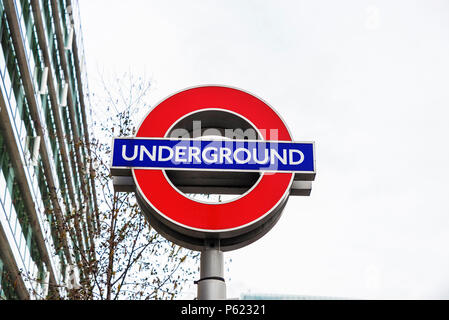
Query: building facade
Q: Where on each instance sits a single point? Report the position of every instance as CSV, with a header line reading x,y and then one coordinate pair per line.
x,y
47,196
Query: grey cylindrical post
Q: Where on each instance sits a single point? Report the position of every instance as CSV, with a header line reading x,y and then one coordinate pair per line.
x,y
211,285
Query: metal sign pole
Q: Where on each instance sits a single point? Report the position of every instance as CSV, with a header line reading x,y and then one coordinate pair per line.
x,y
211,285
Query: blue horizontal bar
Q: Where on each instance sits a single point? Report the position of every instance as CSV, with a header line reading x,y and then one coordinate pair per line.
x,y
234,155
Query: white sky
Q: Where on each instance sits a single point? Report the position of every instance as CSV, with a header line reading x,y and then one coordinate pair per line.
x,y
366,80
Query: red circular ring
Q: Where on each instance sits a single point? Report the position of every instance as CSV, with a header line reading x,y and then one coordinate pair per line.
x,y
188,213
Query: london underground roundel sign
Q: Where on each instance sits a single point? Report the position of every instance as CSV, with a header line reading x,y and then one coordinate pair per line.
x,y
256,159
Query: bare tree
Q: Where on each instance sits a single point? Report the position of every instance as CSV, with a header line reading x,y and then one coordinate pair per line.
x,y
131,260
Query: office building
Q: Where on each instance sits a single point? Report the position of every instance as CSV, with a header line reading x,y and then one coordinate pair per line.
x,y
47,197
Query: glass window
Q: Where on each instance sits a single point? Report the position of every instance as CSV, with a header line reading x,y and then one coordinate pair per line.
x,y
7,204
20,99
7,83
2,63
2,188
1,273
13,222
9,177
